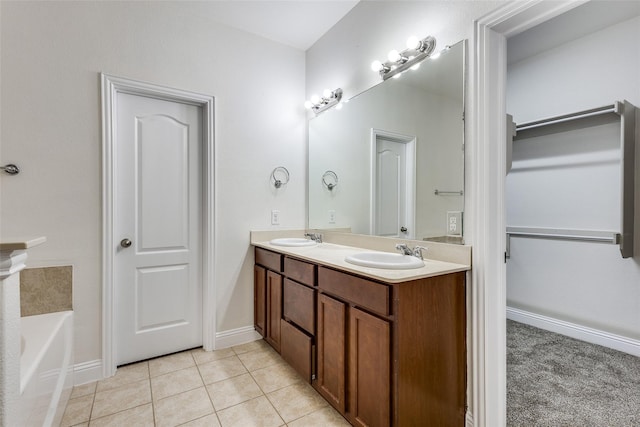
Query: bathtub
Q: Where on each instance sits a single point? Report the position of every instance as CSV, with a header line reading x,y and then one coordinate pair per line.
x,y
46,368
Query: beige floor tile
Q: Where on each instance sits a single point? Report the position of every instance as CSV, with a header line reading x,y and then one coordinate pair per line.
x,y
140,416
175,382
296,401
170,363
121,398
275,377
77,411
125,375
83,390
233,391
325,417
208,421
256,412
183,407
222,369
250,346
202,356
259,359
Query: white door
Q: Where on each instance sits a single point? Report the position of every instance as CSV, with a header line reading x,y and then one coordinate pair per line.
x,y
393,188
157,219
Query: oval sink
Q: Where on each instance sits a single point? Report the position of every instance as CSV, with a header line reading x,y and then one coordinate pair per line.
x,y
293,241
385,260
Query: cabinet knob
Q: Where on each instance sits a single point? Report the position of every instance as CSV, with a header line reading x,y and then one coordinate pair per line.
x,y
125,243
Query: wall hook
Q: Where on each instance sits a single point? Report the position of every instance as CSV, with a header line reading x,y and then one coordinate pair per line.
x,y
330,180
11,169
283,173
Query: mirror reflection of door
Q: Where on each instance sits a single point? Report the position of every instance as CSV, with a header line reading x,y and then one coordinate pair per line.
x,y
393,198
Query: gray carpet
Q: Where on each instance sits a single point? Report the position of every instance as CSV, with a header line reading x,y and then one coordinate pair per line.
x,y
553,380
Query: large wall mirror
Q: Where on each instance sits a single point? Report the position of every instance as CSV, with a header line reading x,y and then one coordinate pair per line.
x,y
391,161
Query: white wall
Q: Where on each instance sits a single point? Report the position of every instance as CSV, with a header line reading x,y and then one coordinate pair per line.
x,y
573,181
51,57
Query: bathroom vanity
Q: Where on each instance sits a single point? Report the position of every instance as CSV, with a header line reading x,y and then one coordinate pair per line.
x,y
383,347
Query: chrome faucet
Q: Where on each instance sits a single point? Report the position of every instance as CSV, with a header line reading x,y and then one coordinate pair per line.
x,y
406,250
316,237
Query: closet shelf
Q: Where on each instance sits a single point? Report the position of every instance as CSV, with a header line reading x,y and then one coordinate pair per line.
x,y
610,237
620,111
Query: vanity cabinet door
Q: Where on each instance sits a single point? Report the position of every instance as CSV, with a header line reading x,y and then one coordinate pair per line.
x,y
331,351
259,299
274,308
369,370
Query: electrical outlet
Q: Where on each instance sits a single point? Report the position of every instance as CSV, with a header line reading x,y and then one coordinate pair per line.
x,y
332,216
275,217
454,223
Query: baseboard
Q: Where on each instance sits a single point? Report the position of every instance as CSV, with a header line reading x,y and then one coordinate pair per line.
x,y
87,372
594,336
236,337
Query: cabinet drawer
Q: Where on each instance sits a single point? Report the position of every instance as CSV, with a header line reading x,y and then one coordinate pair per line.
x,y
296,349
364,293
271,260
299,305
300,271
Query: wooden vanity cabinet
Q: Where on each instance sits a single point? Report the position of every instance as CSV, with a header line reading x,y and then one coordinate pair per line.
x,y
299,316
267,294
383,354
392,354
354,347
284,307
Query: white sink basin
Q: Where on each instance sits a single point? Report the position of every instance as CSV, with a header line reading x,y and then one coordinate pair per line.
x,y
385,260
293,241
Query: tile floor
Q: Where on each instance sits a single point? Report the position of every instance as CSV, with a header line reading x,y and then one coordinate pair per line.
x,y
247,385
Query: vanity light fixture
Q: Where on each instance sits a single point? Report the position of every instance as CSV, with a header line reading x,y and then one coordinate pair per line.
x,y
397,62
329,99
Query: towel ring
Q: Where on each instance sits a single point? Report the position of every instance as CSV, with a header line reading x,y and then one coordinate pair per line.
x,y
283,172
11,169
332,177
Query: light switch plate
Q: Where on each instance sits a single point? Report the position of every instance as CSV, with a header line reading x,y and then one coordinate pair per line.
x,y
275,217
332,216
454,223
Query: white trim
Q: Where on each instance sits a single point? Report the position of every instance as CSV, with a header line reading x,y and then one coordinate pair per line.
x,y
486,198
111,86
87,372
410,177
573,330
237,336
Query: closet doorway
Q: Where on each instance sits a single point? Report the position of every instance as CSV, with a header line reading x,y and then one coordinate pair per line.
x,y
571,287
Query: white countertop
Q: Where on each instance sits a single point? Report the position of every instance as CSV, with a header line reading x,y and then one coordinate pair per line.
x,y
333,255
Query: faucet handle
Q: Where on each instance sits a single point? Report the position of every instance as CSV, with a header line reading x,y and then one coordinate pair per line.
x,y
417,251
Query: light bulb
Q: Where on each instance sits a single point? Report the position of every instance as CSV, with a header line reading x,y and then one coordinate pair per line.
x,y
308,105
394,56
435,55
413,42
376,66
327,93
315,99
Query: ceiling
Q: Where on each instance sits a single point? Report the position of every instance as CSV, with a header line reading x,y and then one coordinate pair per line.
x,y
584,19
298,23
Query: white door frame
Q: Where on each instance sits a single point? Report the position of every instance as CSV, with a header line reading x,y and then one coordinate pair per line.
x,y
111,86
486,182
410,178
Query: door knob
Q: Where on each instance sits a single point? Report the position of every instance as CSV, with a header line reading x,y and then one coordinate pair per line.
x,y
403,229
125,243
